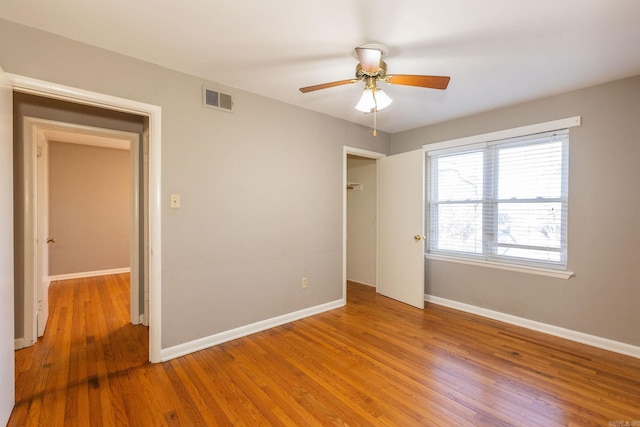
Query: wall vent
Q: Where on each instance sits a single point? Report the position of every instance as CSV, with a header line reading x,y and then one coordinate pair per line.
x,y
212,98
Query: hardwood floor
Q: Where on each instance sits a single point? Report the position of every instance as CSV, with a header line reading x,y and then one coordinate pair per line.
x,y
373,362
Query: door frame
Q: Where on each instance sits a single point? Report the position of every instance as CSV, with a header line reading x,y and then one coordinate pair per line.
x,y
7,308
370,155
153,113
36,273
34,175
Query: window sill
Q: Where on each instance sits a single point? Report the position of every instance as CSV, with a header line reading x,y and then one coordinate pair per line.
x,y
548,272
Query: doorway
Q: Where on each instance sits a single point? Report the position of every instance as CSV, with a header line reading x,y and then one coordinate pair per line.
x,y
94,211
151,116
399,224
360,217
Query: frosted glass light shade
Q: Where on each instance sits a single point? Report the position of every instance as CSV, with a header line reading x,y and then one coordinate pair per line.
x,y
372,100
383,99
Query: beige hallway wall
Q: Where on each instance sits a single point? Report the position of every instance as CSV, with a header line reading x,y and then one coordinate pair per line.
x,y
90,208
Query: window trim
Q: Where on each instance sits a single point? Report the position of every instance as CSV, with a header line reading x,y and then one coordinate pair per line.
x,y
477,141
437,147
521,268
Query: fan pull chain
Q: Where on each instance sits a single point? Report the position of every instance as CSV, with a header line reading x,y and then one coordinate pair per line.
x,y
375,113
375,125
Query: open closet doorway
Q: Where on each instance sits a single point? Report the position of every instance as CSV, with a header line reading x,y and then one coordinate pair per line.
x,y
361,217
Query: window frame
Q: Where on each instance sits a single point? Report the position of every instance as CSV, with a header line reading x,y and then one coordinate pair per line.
x,y
487,258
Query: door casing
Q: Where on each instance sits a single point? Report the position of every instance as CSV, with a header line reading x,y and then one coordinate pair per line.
x,y
154,115
7,356
36,272
371,155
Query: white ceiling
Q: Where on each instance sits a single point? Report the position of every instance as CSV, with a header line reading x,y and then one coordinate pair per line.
x,y
497,52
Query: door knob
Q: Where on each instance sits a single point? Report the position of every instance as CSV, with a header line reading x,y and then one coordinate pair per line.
x,y
418,237
51,240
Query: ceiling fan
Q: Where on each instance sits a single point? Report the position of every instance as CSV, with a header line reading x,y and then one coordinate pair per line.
x,y
371,69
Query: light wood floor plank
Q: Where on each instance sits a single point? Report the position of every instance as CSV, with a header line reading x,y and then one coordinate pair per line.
x,y
374,362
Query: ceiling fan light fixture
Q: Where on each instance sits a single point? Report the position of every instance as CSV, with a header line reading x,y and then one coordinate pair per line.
x,y
373,99
372,69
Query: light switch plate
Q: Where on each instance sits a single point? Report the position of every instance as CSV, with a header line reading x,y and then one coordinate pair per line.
x,y
175,200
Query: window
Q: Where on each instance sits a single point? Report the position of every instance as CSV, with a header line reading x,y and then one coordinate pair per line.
x,y
503,201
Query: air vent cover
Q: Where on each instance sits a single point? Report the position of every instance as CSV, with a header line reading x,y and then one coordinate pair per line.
x,y
212,98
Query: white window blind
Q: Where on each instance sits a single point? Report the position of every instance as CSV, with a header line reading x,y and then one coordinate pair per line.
x,y
503,201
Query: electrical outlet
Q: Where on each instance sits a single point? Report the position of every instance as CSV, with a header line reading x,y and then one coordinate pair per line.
x,y
305,282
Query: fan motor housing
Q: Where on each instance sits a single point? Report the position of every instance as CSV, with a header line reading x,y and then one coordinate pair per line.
x,y
380,74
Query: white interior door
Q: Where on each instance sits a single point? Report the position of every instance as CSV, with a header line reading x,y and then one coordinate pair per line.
x,y
401,262
42,230
7,379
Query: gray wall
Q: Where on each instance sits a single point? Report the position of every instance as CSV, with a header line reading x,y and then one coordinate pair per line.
x,y
604,228
261,189
89,208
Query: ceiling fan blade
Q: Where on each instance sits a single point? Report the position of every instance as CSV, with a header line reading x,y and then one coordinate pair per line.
x,y
369,59
326,85
431,82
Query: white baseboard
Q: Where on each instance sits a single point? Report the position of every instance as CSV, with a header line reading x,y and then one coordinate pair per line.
x,y
18,343
592,340
83,274
212,340
361,283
